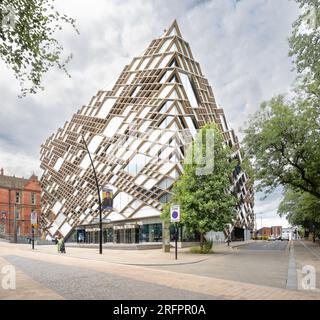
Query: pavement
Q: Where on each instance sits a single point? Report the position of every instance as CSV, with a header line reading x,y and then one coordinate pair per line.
x,y
84,274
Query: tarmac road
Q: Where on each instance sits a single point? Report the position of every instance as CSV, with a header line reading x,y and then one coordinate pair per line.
x,y
266,245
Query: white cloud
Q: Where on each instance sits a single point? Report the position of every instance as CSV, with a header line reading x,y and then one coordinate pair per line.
x,y
241,47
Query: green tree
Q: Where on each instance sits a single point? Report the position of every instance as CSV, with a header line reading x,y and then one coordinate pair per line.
x,y
304,47
27,40
205,201
301,209
282,138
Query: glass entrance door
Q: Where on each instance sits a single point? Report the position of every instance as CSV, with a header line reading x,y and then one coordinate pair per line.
x,y
129,235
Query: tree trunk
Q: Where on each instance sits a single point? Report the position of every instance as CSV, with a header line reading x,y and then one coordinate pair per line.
x,y
314,237
201,241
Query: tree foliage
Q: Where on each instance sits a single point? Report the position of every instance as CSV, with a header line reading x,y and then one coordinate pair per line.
x,y
282,138
301,209
27,40
304,47
205,201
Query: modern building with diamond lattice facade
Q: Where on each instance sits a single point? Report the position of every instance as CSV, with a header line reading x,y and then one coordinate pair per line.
x,y
136,133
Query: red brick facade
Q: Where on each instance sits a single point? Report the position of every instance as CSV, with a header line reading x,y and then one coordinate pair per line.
x,y
264,232
21,196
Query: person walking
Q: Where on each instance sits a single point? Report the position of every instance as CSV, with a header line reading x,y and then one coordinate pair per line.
x,y
62,246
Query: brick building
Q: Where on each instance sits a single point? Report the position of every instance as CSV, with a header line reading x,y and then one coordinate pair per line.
x,y
264,232
276,231
18,198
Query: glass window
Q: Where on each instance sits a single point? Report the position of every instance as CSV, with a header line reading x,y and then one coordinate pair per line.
x,y
165,107
144,112
85,163
121,200
166,183
164,124
149,184
165,91
137,163
224,123
135,91
112,126
165,45
18,197
165,198
164,63
166,76
154,62
33,198
135,64
189,90
58,164
150,232
144,63
94,143
106,107
131,77
17,212
191,126
144,126
127,110
119,91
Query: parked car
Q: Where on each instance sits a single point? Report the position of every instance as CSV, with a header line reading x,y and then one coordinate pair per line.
x,y
285,236
272,238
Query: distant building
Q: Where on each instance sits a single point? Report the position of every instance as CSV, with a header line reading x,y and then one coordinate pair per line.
x,y
264,232
291,233
276,231
18,198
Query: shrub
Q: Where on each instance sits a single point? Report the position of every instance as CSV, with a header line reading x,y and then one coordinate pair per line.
x,y
207,247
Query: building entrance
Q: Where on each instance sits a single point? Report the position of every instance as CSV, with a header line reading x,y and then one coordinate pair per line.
x,y
127,235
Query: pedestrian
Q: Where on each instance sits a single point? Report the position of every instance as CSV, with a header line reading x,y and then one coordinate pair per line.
x,y
62,246
228,240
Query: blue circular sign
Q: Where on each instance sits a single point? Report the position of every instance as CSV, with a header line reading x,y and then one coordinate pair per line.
x,y
175,214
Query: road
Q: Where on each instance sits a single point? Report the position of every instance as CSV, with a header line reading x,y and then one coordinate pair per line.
x,y
266,245
252,271
262,263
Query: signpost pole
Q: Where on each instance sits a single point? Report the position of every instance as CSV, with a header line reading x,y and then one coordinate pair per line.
x,y
34,223
32,228
176,240
175,217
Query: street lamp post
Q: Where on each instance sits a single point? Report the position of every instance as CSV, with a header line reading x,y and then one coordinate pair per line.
x,y
99,197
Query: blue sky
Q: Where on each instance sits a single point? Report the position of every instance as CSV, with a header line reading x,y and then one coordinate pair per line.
x,y
241,46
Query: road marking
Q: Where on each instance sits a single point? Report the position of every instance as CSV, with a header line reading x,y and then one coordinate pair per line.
x,y
292,271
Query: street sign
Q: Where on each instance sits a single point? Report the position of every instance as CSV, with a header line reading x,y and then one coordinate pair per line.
x,y
175,213
34,220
